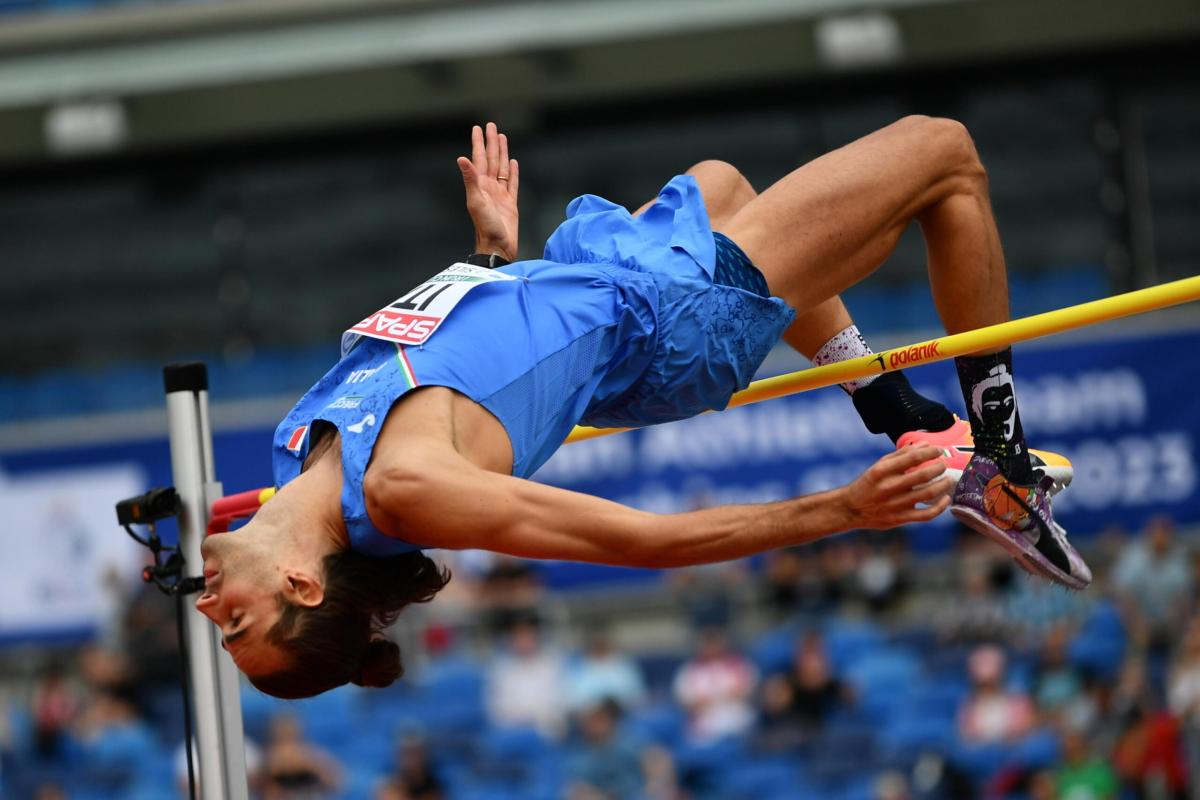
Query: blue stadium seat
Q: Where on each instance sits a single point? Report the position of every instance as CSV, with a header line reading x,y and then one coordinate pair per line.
x,y
704,765
891,667
1100,646
773,651
911,735
760,778
452,692
659,670
841,753
938,699
662,724
847,642
981,761
1038,750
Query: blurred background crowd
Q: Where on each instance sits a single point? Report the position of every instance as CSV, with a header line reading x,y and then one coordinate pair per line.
x,y
848,670
240,181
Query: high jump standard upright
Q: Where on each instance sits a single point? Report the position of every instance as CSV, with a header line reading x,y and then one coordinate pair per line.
x,y
220,746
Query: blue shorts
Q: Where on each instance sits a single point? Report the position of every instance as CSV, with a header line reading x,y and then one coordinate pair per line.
x,y
710,338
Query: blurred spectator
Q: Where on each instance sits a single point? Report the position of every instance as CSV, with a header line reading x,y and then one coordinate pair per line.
x,y
793,706
49,791
510,589
993,713
1153,580
603,673
715,687
935,778
661,776
881,579
107,671
526,683
1036,608
1058,684
1043,786
415,777
152,642
780,582
1083,776
55,705
708,593
817,691
1184,694
391,790
1149,755
891,785
779,726
102,713
839,566
978,613
795,583
606,767
295,768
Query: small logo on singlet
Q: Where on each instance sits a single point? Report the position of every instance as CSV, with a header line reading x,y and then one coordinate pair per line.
x,y
357,427
352,401
360,375
297,439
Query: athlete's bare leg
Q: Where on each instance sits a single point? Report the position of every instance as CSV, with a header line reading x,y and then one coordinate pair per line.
x,y
726,191
833,221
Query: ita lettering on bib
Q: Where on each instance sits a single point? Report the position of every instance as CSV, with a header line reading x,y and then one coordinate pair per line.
x,y
416,314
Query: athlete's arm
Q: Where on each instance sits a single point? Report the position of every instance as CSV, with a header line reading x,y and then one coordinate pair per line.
x,y
449,503
491,180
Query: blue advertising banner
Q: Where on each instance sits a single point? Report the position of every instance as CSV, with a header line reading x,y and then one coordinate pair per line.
x,y
1124,409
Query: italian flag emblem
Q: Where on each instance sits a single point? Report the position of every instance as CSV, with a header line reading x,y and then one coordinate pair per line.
x,y
296,441
406,369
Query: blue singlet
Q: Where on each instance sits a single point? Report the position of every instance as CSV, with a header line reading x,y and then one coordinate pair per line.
x,y
620,326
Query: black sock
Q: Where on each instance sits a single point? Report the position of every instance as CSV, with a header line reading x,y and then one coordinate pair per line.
x,y
889,404
991,398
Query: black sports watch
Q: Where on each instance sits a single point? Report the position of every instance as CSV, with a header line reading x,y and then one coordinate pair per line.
x,y
489,260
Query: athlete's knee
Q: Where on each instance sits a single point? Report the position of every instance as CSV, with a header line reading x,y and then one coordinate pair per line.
x,y
724,187
950,151
957,149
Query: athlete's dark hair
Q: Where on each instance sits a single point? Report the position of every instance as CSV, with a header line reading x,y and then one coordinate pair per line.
x,y
341,641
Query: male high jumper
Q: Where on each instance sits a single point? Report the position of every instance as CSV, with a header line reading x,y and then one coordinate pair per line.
x,y
445,401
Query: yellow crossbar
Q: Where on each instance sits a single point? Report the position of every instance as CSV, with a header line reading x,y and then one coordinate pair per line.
x,y
1018,330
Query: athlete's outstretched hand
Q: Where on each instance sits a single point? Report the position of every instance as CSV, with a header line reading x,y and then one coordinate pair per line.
x,y
492,180
886,495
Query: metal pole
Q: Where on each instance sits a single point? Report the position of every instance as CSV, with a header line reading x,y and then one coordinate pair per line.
x,y
220,746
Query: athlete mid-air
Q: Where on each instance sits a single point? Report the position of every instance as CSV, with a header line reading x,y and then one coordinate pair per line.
x,y
446,400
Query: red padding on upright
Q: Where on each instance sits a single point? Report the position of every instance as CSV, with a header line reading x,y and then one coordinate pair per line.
x,y
226,510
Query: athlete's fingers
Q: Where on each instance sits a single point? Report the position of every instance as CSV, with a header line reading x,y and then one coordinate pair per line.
x,y
492,143
514,177
470,175
478,152
922,475
927,493
901,476
930,512
503,158
918,452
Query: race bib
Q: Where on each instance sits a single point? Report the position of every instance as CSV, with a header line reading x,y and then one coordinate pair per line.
x,y
416,314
